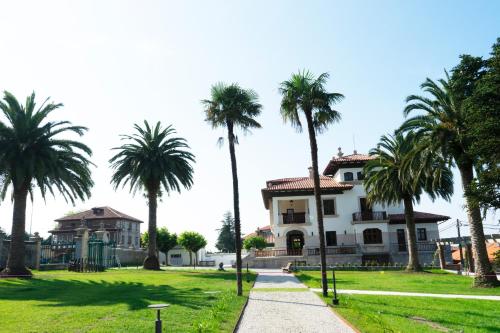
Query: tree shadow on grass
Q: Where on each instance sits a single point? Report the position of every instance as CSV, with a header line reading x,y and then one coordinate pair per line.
x,y
58,292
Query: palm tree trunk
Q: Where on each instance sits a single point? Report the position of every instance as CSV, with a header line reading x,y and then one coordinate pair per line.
x,y
317,197
151,261
484,275
15,262
413,262
236,204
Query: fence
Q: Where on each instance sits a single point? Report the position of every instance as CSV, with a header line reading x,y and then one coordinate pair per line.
x,y
57,253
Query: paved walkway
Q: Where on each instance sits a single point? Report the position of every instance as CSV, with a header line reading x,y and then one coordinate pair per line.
x,y
297,311
399,293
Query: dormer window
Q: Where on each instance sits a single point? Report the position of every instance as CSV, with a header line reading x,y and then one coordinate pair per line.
x,y
348,176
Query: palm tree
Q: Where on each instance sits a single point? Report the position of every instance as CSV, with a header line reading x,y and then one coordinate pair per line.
x,y
233,107
443,124
32,154
154,161
306,93
400,172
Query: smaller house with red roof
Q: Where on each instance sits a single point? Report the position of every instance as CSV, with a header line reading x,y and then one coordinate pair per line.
x,y
355,231
123,229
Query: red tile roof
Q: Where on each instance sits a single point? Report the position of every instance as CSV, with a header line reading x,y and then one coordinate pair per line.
x,y
419,217
353,160
93,214
300,184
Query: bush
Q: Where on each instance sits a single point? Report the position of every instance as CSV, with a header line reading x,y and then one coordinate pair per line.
x,y
256,242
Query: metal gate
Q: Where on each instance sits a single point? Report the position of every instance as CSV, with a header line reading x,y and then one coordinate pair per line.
x,y
57,253
100,255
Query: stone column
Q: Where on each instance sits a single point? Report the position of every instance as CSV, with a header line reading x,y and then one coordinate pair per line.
x,y
82,243
38,250
469,257
442,261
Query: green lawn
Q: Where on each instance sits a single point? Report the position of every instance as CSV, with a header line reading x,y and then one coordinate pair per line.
x,y
374,314
433,281
117,300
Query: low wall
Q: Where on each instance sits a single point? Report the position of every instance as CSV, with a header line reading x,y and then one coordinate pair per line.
x,y
224,258
31,256
135,257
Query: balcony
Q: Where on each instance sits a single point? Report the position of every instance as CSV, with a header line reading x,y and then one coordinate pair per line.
x,y
294,218
329,251
278,253
421,247
369,216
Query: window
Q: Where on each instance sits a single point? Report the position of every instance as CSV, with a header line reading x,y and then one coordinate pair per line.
x,y
372,236
421,234
401,240
360,175
329,207
348,176
129,240
175,255
331,238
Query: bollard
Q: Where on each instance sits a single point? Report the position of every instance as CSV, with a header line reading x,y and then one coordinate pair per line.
x,y
335,300
158,308
248,277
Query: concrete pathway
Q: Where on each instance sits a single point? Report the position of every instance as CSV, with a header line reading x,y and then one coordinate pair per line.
x,y
399,293
295,311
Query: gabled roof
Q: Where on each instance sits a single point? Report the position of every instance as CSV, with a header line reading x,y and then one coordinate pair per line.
x,y
420,217
353,160
98,213
300,186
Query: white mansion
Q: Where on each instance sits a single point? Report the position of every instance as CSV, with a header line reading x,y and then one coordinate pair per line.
x,y
355,232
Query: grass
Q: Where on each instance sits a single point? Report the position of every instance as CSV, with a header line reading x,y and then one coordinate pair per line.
x,y
373,314
432,281
117,300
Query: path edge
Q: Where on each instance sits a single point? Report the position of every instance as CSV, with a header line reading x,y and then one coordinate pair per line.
x,y
237,325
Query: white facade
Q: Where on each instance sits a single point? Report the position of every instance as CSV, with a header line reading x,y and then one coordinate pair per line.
x,y
351,227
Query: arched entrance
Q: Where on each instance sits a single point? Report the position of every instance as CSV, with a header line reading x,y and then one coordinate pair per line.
x,y
294,243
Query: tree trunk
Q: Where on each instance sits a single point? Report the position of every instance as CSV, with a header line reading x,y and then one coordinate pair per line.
x,y
151,261
484,275
236,204
317,197
15,262
413,262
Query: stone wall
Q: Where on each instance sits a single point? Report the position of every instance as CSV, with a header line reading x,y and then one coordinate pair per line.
x,y
32,252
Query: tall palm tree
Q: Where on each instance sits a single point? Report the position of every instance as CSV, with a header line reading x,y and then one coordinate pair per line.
x,y
306,93
400,172
32,154
154,161
233,107
442,122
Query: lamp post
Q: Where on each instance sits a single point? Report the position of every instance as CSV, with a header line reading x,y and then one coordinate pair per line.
x,y
335,300
158,308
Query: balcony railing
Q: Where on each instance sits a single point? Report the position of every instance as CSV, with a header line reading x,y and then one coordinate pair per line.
x,y
294,218
369,216
421,247
333,250
278,252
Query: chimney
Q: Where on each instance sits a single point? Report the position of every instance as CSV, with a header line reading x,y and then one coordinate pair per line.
x,y
340,153
311,173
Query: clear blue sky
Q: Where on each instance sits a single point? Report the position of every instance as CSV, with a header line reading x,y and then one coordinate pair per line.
x,y
113,63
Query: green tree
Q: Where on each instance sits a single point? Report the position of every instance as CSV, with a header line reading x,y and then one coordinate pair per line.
x,y
256,242
303,92
153,160
193,242
232,107
398,173
165,241
482,119
442,125
225,240
35,152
